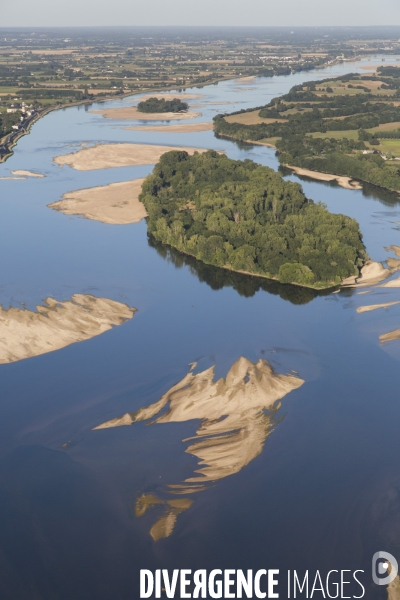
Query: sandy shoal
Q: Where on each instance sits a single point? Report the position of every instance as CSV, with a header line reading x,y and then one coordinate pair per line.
x,y
394,283
395,249
363,309
55,325
345,182
248,79
24,173
233,426
391,336
131,113
184,128
107,156
169,96
370,274
116,203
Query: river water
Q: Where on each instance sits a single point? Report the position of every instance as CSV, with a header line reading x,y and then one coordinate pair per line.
x,y
324,492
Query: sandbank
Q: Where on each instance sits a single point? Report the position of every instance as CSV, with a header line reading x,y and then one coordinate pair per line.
x,y
345,182
116,203
131,113
391,336
248,79
394,283
170,96
27,173
107,156
233,425
363,309
184,128
395,249
55,325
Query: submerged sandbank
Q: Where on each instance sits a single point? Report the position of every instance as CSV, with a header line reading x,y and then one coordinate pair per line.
x,y
55,325
363,309
107,156
131,113
184,128
116,203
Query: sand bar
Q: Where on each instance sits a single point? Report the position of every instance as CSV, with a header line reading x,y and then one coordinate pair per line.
x,y
391,336
184,128
394,283
107,156
395,249
363,309
170,96
116,203
131,113
24,173
345,182
55,325
233,426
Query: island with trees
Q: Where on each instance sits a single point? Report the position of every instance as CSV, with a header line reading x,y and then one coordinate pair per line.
x,y
160,105
347,126
245,217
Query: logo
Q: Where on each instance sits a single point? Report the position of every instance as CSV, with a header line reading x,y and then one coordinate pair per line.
x,y
383,562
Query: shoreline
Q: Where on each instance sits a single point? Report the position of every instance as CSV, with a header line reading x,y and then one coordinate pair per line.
x,y
46,111
310,287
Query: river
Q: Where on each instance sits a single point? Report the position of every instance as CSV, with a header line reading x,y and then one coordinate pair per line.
x,y
324,490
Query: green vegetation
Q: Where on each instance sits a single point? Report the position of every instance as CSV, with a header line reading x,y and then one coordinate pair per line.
x,y
242,216
345,126
160,105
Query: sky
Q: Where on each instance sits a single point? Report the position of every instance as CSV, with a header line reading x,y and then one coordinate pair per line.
x,y
42,13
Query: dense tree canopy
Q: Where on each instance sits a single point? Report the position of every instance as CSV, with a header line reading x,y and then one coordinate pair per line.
x,y
245,217
160,105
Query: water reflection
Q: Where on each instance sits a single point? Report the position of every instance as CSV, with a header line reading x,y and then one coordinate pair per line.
x,y
245,285
55,325
237,414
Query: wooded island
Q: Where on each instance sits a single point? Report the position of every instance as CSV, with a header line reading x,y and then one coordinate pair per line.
x,y
160,105
244,217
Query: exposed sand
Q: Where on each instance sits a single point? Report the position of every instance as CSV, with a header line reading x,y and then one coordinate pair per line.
x,y
248,79
170,96
131,113
25,333
12,178
395,249
107,156
394,283
185,128
27,173
363,309
370,274
391,336
233,425
345,182
116,203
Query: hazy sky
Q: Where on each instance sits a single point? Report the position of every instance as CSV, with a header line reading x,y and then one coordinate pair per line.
x,y
31,13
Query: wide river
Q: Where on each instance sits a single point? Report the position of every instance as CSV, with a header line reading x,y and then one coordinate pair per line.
x,y
312,484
